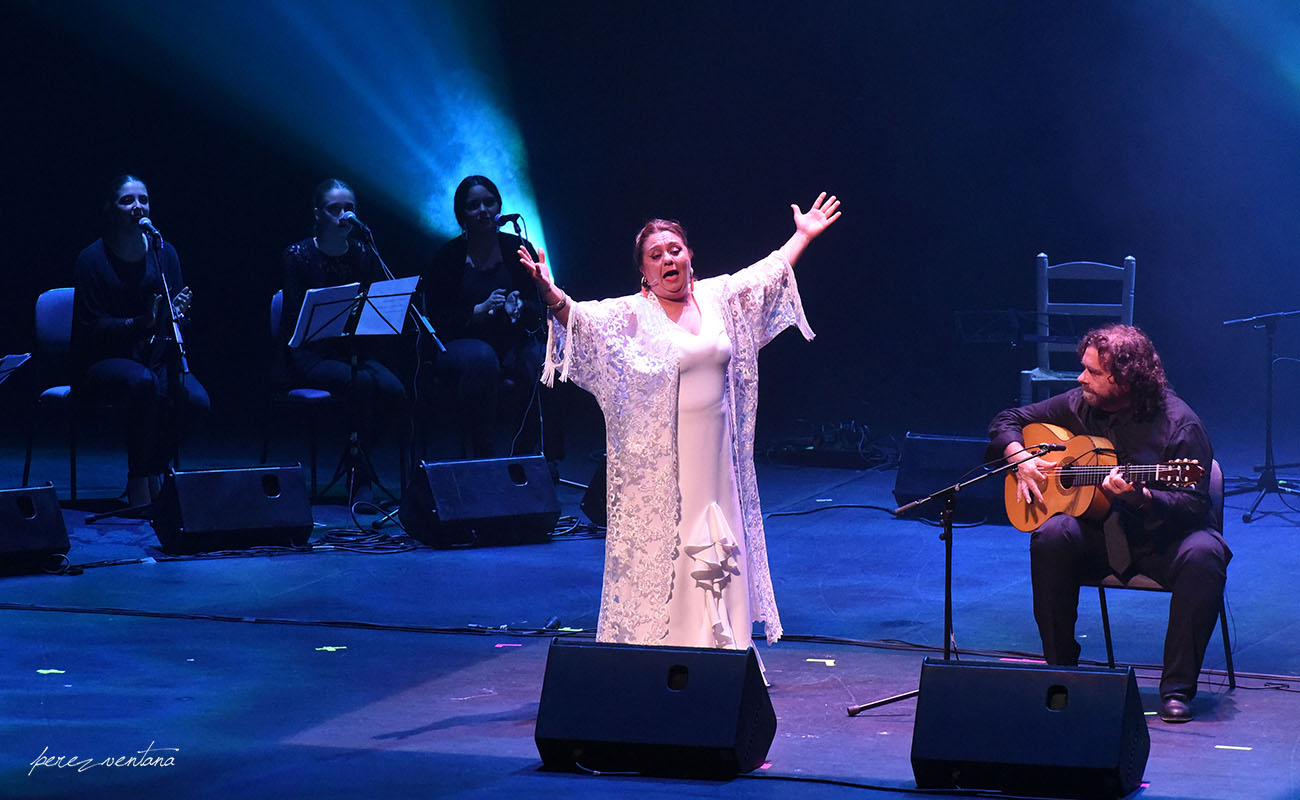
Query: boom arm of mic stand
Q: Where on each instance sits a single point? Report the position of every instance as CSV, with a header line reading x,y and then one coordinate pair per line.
x,y
957,487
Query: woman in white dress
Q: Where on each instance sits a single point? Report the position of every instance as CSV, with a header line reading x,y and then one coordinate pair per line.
x,y
674,369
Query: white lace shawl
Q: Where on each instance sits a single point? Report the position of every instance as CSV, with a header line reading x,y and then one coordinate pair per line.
x,y
622,352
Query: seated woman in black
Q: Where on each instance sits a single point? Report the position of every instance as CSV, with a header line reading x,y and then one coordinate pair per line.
x,y
333,257
485,307
123,341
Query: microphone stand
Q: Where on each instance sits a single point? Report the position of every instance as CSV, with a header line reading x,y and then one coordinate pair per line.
x,y
1268,481
949,497
536,396
175,371
422,324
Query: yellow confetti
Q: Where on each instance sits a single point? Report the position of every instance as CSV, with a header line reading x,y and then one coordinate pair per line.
x,y
330,648
50,672
830,662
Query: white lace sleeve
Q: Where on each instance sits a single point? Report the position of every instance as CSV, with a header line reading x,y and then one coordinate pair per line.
x,y
766,296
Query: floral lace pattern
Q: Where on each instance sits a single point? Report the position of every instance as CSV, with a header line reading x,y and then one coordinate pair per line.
x,y
621,350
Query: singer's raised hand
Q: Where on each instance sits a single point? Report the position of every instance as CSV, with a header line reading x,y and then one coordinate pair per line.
x,y
824,212
538,269
809,225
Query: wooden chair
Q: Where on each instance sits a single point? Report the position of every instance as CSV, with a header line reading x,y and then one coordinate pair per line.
x,y
1073,298
1148,584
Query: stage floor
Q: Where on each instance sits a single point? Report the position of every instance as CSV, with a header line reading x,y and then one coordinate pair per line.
x,y
364,673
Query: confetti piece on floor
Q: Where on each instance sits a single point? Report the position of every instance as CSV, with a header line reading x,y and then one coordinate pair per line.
x,y
830,662
50,672
331,648
508,645
1231,747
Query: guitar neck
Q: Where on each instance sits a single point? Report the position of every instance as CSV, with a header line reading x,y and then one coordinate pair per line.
x,y
1136,474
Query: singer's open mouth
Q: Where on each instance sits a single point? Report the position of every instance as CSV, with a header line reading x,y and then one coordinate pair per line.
x,y
670,273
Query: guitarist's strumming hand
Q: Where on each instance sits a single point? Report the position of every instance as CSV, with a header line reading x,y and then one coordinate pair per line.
x,y
1031,473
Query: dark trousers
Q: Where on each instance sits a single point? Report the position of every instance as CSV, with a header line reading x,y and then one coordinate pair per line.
x,y
1065,551
156,422
375,397
487,385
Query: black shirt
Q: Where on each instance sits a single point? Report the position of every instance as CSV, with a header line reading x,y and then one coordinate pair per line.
x,y
1172,432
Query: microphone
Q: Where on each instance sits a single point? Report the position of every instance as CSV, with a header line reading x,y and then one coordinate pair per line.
x,y
502,219
1049,448
146,225
355,221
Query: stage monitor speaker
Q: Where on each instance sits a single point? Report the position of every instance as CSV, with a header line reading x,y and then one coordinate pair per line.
x,y
200,511
484,502
665,711
929,463
33,537
1028,729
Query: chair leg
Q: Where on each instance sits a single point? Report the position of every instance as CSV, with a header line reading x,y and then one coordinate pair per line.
x,y
31,439
72,453
266,432
311,449
1227,645
1105,626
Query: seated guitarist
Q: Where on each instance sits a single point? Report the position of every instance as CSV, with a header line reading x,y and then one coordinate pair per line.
x,y
1124,397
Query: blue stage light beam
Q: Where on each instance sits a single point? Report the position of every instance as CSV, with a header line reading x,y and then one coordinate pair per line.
x,y
403,95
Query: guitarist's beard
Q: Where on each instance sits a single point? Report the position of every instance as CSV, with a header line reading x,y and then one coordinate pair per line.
x,y
1113,403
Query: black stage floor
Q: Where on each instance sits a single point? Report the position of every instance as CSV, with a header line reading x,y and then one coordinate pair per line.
x,y
361,673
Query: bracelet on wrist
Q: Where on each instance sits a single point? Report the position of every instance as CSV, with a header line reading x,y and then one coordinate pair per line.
x,y
558,305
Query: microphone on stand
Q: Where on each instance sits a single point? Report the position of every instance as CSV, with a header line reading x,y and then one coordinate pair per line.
x,y
502,219
146,225
1049,448
356,223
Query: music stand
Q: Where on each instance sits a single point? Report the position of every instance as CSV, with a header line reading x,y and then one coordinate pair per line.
x,y
344,312
10,363
949,497
1268,481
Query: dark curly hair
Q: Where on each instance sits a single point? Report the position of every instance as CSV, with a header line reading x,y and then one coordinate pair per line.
x,y
1130,357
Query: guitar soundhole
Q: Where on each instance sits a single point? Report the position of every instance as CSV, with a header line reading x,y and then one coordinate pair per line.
x,y
1067,477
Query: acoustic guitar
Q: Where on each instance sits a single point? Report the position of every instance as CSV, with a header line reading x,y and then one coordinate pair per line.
x,y
1074,479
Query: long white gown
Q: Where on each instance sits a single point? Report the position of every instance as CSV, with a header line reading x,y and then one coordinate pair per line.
x,y
709,605
625,351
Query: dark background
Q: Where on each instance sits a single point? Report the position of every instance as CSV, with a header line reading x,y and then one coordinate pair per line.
x,y
963,139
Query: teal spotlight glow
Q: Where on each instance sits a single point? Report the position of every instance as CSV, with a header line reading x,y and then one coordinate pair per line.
x,y
402,94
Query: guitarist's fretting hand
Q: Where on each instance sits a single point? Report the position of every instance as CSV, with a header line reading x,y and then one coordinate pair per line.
x,y
1118,488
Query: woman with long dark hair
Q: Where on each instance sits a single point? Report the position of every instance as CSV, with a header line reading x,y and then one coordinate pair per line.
x,y
125,339
485,307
